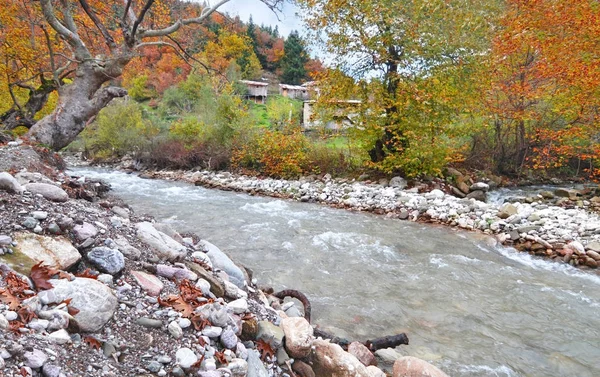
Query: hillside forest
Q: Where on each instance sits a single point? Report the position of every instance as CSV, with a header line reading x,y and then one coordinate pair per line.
x,y
401,87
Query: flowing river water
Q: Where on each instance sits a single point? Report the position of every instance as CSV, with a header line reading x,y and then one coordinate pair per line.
x,y
470,308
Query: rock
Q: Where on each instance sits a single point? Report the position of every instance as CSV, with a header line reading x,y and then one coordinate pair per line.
x,y
185,357
479,186
149,283
107,260
220,260
164,246
154,366
176,273
270,333
408,366
3,322
184,323
169,231
477,195
330,360
228,339
462,186
60,337
35,359
175,330
11,315
239,306
51,370
9,183
39,215
120,211
29,223
375,372
149,322
398,182
563,193
127,250
5,240
255,366
577,247
212,331
457,192
95,301
238,367
507,210
298,336
215,285
56,252
84,231
48,191
593,254
594,246
362,353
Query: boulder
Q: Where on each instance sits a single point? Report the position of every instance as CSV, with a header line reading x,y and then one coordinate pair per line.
x,y
507,210
48,191
9,183
594,246
31,248
408,366
479,186
462,186
169,231
269,333
215,285
298,336
221,261
330,360
164,246
107,260
95,301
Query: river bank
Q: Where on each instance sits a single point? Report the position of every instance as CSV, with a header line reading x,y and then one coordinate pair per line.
x,y
562,225
122,295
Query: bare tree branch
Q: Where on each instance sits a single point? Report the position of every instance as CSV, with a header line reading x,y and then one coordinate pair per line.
x,y
206,12
68,15
107,37
71,37
139,21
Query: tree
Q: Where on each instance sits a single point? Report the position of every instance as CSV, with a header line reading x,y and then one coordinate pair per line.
x,y
102,39
294,60
399,52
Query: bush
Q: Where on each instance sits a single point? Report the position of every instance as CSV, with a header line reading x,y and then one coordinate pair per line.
x,y
273,153
334,158
119,129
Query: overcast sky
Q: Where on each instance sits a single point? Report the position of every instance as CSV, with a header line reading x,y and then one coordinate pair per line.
x,y
261,14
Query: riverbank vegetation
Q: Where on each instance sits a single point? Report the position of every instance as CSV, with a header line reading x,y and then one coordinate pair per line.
x,y
508,87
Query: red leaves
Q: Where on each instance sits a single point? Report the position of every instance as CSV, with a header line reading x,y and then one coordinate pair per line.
x,y
199,322
70,309
87,273
186,302
265,349
220,356
179,304
92,342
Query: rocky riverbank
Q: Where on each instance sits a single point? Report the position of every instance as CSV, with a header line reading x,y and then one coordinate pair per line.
x,y
88,288
562,225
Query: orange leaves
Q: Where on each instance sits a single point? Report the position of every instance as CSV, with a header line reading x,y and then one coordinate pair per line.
x,y
265,349
40,274
186,301
9,299
179,304
92,342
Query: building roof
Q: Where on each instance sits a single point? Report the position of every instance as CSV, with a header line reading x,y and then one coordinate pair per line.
x,y
255,83
292,87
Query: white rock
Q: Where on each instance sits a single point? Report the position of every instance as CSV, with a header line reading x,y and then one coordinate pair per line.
x,y
238,306
3,322
60,337
185,357
175,330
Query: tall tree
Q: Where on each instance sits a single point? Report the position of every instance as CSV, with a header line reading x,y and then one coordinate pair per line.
x,y
396,48
294,60
102,38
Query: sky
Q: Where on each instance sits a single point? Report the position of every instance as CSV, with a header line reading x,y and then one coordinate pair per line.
x,y
261,14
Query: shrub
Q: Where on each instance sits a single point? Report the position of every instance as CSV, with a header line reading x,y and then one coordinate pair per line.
x,y
273,153
119,129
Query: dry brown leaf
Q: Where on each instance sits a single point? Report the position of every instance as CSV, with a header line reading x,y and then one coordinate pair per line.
x,y
40,274
23,372
87,273
92,342
16,285
189,292
179,304
70,309
200,322
265,349
220,356
9,299
26,314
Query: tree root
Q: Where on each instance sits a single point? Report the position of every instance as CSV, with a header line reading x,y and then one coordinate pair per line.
x,y
298,296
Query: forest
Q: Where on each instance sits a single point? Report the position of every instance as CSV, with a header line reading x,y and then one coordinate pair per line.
x,y
509,87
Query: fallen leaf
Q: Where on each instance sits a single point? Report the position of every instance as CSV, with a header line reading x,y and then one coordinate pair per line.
x,y
189,292
200,322
40,274
23,372
26,314
92,342
8,298
70,309
265,349
179,304
220,356
16,285
87,273
198,363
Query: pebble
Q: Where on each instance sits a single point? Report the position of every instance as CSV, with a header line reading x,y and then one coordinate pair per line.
x,y
39,215
51,370
149,322
212,331
184,323
229,339
175,330
60,337
10,315
154,366
35,359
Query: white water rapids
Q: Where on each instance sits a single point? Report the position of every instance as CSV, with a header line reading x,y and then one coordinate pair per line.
x,y
469,308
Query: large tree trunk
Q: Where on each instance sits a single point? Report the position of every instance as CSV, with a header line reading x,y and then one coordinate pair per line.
x,y
78,103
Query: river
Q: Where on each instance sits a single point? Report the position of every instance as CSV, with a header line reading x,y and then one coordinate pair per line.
x,y
470,308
